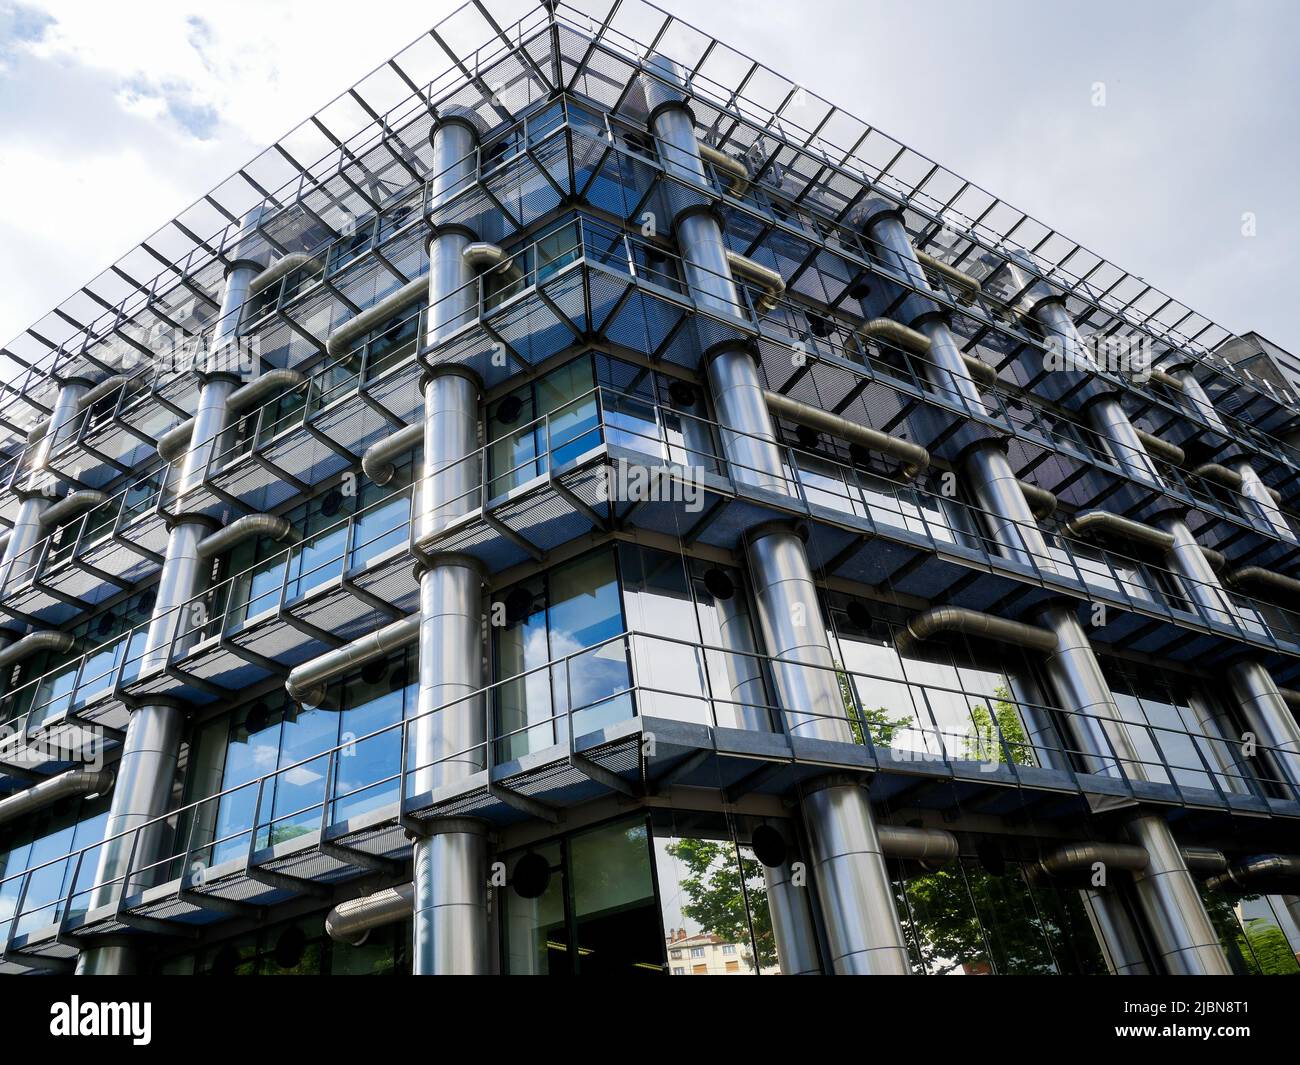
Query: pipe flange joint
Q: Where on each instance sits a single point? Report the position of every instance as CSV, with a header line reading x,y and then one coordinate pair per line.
x,y
726,347
426,561
681,102
877,210
450,369
242,263
834,780
189,517
452,118
445,826
709,207
448,229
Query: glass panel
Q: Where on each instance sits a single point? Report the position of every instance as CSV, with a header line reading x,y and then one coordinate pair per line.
x,y
616,916
536,939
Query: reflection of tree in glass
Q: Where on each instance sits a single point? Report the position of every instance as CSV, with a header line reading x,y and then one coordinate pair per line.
x,y
713,883
1002,723
967,918
879,726
1260,948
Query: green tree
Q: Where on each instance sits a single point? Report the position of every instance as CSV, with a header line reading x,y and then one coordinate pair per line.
x,y
717,882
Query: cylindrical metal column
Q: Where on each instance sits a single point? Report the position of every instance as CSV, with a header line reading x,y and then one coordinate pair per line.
x,y
792,923
1265,712
1111,422
450,906
1257,495
853,888
448,737
851,873
151,748
1184,937
1116,933
39,487
1010,521
1198,577
1200,400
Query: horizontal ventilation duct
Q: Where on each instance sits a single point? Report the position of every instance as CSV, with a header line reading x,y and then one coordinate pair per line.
x,y
1258,874
913,457
909,339
278,269
736,173
1075,859
1259,577
377,462
932,847
34,643
761,277
340,341
1090,523
71,505
1040,500
250,525
1204,860
942,620
1168,380
352,921
75,782
89,398
306,683
1213,471
957,277
1159,446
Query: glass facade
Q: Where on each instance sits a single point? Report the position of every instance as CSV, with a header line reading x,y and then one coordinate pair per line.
x,y
640,663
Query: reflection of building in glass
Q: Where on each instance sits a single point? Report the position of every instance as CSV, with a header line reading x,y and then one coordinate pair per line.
x,y
707,955
647,512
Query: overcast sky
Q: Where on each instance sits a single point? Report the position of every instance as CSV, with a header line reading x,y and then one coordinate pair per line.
x,y
115,116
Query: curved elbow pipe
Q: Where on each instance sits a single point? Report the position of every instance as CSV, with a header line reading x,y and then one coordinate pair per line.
x,y
1266,578
1091,522
913,457
278,269
1158,446
306,683
736,173
944,619
271,525
351,922
1204,860
932,847
764,278
1074,859
913,340
257,391
1166,379
39,796
71,505
340,341
34,643
176,441
895,333
482,256
1213,471
957,277
1040,500
377,462
93,396
1262,870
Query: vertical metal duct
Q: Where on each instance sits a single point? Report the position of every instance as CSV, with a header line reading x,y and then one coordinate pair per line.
x,y
852,883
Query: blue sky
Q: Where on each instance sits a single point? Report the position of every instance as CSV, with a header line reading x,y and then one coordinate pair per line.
x,y
116,116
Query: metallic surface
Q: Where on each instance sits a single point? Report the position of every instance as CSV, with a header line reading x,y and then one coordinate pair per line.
x,y
1184,938
848,867
1265,713
74,782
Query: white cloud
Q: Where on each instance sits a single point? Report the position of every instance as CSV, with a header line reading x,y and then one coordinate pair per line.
x,y
119,116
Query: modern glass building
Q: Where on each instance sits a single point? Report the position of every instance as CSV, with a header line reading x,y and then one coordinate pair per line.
x,y
581,503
